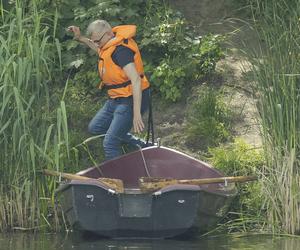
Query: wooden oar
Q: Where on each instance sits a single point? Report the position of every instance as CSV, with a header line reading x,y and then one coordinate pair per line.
x,y
149,184
115,184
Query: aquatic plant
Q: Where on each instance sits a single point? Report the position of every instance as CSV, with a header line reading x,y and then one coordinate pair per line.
x,y
276,72
29,59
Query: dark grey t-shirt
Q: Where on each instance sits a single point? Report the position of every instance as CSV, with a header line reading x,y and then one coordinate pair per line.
x,y
122,56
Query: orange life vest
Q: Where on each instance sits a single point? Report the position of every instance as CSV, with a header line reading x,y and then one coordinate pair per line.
x,y
113,77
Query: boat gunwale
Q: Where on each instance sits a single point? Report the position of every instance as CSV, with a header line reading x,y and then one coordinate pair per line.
x,y
170,188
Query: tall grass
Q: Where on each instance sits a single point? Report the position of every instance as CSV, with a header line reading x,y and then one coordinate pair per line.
x,y
208,120
28,140
277,73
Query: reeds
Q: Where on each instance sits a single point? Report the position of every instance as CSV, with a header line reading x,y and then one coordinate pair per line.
x,y
29,139
276,67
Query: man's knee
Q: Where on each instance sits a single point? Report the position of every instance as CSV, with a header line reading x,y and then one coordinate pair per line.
x,y
111,141
96,128
112,146
92,128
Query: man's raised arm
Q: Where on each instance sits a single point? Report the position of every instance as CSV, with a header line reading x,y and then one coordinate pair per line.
x,y
78,37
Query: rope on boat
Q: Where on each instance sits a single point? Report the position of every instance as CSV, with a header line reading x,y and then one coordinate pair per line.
x,y
144,161
150,122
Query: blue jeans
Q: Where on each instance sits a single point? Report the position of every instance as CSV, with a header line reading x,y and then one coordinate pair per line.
x,y
115,120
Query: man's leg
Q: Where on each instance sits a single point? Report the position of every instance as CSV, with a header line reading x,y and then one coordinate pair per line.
x,y
120,117
102,120
118,129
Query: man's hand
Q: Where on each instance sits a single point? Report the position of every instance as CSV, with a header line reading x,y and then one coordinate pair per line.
x,y
76,31
138,124
77,36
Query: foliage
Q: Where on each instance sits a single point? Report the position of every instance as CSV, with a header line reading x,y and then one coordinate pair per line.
x,y
169,77
208,120
240,159
177,56
174,57
178,70
237,158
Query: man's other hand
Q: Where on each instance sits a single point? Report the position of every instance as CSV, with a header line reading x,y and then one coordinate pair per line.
x,y
138,125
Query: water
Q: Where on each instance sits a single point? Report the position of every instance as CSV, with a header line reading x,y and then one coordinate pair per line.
x,y
57,242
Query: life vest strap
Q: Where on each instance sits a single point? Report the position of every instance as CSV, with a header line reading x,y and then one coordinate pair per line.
x,y
109,86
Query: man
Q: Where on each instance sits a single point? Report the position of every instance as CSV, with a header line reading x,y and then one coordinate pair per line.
x,y
121,70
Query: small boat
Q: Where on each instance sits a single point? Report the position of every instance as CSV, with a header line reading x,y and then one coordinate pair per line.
x,y
175,209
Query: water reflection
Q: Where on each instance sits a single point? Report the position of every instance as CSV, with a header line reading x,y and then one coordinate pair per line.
x,y
75,242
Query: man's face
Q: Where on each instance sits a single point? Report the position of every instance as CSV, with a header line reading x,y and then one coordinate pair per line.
x,y
99,38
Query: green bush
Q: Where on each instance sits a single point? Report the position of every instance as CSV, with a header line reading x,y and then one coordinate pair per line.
x,y
236,159
180,69
208,119
175,56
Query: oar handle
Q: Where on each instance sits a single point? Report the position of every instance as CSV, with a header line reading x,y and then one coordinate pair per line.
x,y
148,184
115,184
228,179
68,176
